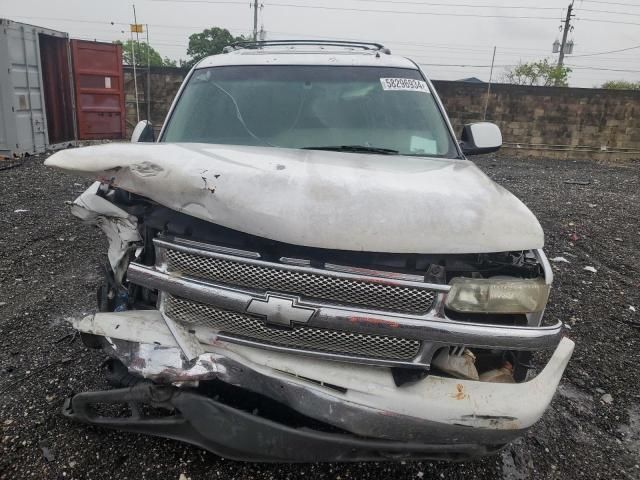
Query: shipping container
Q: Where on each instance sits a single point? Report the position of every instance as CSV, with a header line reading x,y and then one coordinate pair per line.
x,y
24,82
54,91
99,88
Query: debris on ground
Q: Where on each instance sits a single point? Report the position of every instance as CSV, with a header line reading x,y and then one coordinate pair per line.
x,y
577,182
607,398
560,260
46,452
590,269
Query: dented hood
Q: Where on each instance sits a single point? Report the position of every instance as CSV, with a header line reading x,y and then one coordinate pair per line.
x,y
336,200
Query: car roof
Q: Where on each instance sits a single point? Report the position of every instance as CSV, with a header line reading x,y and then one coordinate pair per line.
x,y
308,55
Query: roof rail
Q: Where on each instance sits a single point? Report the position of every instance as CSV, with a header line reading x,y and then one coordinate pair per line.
x,y
332,43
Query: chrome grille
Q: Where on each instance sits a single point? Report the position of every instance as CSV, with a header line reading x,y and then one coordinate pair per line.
x,y
299,337
375,293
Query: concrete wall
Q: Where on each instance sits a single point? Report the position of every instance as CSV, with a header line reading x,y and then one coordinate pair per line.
x,y
574,123
550,121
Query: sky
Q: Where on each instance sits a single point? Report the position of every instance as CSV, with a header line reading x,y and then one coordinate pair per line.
x,y
452,39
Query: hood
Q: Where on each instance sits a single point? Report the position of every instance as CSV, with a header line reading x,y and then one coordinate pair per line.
x,y
335,200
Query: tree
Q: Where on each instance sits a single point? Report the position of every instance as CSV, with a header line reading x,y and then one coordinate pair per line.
x,y
621,85
209,42
541,72
167,62
155,60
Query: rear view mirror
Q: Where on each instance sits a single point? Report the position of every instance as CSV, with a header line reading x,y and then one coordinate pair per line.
x,y
143,132
481,137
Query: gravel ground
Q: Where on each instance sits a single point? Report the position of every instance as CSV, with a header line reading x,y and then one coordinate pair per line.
x,y
49,273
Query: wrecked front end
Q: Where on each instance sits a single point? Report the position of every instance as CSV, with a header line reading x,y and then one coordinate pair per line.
x,y
258,349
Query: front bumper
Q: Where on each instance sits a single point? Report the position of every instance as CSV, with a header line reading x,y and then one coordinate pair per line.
x,y
239,435
436,417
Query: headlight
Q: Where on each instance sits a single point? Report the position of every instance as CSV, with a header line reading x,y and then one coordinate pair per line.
x,y
499,295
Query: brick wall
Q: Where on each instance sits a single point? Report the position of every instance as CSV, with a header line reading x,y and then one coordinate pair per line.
x,y
554,122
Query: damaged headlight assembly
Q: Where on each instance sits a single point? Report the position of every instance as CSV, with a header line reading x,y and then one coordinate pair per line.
x,y
497,295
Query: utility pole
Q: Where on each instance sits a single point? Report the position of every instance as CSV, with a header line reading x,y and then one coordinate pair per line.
x,y
148,76
255,20
565,32
135,76
486,101
133,28
137,45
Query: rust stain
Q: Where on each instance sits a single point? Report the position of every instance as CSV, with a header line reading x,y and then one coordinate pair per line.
x,y
373,321
459,395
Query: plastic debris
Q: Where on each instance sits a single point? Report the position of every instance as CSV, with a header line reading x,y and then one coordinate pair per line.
x,y
458,362
590,269
560,260
46,452
20,210
503,374
606,398
573,237
618,239
632,308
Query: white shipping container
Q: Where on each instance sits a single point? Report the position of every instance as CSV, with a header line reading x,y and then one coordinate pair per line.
x,y
23,119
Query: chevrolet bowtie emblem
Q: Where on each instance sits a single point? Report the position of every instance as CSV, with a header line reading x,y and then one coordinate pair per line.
x,y
281,311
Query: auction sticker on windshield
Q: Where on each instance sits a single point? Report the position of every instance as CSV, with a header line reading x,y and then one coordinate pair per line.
x,y
407,84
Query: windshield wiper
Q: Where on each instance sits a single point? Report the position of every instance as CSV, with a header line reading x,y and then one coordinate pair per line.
x,y
355,149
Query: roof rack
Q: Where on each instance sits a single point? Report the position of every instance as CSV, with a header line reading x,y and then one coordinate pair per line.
x,y
331,43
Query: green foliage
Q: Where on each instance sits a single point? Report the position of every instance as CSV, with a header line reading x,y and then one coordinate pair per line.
x,y
621,85
141,51
167,62
209,42
541,73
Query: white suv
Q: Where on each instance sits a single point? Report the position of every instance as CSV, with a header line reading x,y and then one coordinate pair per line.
x,y
305,267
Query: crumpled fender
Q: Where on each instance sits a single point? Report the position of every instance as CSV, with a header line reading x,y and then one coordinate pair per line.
x,y
119,227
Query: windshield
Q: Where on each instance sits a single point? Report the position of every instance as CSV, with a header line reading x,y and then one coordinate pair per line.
x,y
386,110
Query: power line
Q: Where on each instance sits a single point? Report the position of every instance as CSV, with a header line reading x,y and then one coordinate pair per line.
x,y
364,10
578,67
626,14
405,2
604,53
606,21
389,41
613,3
412,44
470,5
462,65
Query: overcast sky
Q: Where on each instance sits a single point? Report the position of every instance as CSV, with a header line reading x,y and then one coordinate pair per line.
x,y
457,32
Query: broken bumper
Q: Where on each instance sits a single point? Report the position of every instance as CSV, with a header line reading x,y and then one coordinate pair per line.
x,y
435,417
239,435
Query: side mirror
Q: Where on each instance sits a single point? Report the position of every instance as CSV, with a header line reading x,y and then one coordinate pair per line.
x,y
481,137
143,132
